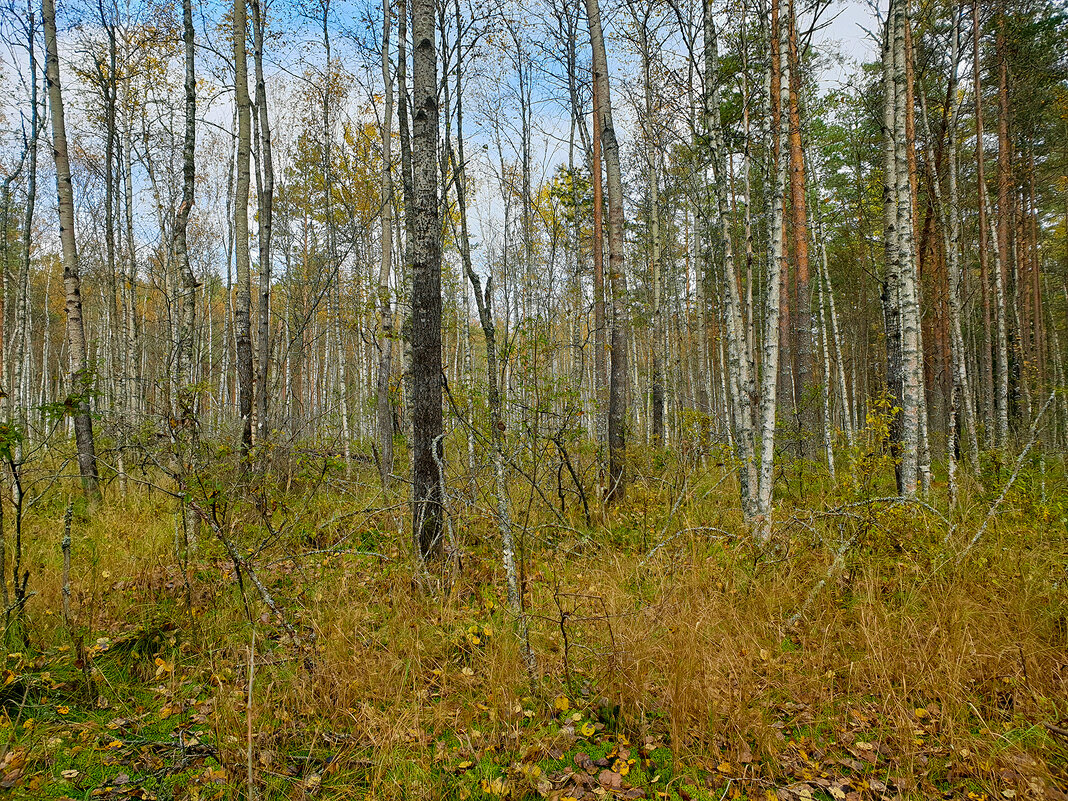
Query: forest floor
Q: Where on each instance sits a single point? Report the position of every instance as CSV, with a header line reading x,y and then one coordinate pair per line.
x,y
864,655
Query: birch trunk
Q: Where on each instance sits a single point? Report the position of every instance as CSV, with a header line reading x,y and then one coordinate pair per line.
x,y
265,198
739,367
617,385
657,398
904,370
19,385
1004,218
383,410
80,378
951,228
340,375
778,96
186,434
243,302
987,361
600,344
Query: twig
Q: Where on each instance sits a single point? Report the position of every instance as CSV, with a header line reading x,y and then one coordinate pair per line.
x,y
243,565
1012,479
67,517
248,715
454,553
1056,730
835,567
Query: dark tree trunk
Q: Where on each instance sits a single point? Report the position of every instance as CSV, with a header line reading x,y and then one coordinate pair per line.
x,y
426,288
243,302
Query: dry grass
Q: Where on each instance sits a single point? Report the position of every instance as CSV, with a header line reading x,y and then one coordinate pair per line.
x,y
940,673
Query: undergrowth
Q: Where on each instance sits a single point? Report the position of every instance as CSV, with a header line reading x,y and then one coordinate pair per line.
x,y
856,656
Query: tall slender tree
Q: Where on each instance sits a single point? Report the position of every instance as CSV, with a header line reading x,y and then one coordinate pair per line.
x,y
81,379
265,207
187,314
617,383
383,408
243,302
427,422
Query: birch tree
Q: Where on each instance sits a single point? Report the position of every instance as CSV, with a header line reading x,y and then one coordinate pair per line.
x,y
243,302
383,408
81,379
187,319
617,383
265,207
901,294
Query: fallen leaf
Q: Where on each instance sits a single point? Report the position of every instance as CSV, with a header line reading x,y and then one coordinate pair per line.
x,y
610,780
582,760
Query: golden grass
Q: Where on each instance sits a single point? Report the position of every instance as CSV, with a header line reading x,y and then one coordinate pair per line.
x,y
948,670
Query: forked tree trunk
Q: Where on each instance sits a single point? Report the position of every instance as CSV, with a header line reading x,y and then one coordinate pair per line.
x,y
950,223
484,301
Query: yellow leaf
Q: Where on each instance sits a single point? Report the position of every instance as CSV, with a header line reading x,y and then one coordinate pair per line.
x,y
497,786
921,713
587,729
562,704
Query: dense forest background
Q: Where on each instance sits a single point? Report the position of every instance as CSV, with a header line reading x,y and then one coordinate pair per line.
x,y
435,399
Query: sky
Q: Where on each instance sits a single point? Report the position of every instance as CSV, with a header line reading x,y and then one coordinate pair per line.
x,y
849,24
845,30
